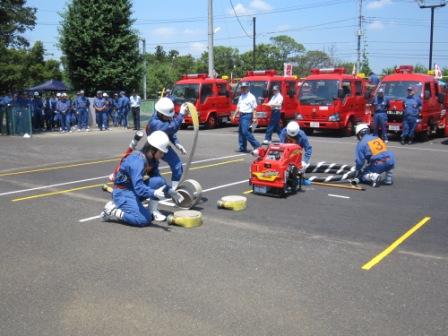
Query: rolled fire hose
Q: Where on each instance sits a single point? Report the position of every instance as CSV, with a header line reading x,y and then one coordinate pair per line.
x,y
232,202
340,172
185,218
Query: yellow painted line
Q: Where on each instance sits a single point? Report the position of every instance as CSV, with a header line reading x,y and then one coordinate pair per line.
x,y
99,185
56,192
394,245
247,191
44,169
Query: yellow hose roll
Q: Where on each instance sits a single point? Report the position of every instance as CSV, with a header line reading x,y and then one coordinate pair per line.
x,y
186,218
233,202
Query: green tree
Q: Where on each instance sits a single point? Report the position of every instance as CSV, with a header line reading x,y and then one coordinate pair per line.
x,y
267,56
312,59
225,60
15,19
100,47
289,48
365,68
22,68
348,66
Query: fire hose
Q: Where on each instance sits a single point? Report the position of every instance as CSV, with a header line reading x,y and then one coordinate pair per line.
x,y
339,172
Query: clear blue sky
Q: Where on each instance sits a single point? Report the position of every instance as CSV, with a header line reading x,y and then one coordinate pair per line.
x,y
395,31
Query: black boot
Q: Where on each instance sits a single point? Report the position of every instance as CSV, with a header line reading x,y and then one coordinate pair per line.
x,y
410,141
402,141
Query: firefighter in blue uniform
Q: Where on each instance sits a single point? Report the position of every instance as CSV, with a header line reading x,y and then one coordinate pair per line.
x,y
380,105
380,160
37,107
293,134
123,109
82,110
412,106
165,120
63,107
130,188
99,104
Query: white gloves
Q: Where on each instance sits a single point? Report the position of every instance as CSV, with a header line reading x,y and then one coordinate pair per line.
x,y
184,109
304,166
181,148
159,193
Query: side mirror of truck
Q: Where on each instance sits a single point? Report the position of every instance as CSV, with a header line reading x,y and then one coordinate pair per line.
x,y
291,93
427,95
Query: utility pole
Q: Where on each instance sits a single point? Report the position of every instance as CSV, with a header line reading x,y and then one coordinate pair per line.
x,y
211,65
441,4
144,68
254,45
358,49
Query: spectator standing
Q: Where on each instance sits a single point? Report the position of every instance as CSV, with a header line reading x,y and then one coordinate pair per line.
x,y
63,108
135,109
37,110
123,105
82,110
108,110
275,103
115,110
99,104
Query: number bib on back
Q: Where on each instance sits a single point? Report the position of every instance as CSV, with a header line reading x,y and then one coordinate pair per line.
x,y
377,146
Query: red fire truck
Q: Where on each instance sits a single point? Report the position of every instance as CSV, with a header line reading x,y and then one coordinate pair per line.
x,y
432,119
330,99
211,96
261,84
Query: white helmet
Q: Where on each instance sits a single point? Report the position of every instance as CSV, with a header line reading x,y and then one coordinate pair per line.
x,y
165,106
159,140
293,128
361,127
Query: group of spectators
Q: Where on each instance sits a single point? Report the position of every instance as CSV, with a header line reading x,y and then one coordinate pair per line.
x,y
57,111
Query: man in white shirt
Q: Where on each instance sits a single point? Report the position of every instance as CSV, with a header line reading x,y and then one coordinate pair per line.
x,y
246,107
275,103
135,109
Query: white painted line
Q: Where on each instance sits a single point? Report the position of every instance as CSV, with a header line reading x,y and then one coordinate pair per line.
x,y
171,204
104,177
89,219
338,196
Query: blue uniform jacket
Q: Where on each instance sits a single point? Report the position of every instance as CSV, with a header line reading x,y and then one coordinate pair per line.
x,y
169,127
81,102
131,172
302,140
412,106
381,104
37,105
123,103
63,106
371,149
99,103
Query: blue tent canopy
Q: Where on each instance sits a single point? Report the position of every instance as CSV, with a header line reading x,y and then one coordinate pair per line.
x,y
51,85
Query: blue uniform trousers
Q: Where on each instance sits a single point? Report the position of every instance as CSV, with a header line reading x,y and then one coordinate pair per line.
x,y
175,164
135,213
101,120
274,125
380,121
244,134
409,125
83,118
65,121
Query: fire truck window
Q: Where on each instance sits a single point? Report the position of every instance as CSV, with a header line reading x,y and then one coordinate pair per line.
x,y
358,88
222,89
291,88
427,93
346,88
206,91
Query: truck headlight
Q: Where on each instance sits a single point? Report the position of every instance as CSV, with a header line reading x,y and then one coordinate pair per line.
x,y
261,114
299,116
334,117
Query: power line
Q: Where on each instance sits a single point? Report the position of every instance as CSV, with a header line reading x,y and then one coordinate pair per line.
x,y
238,19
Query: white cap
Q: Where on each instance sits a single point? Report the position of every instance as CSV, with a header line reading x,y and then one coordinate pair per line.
x,y
165,106
36,93
159,140
105,94
293,128
58,94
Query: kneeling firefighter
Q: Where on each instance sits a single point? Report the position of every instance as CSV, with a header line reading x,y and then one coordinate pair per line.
x,y
130,189
373,150
293,134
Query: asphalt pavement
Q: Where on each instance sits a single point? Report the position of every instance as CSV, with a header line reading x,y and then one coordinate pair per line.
x,y
326,261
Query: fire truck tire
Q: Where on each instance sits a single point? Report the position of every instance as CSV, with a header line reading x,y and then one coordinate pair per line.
x,y
212,121
348,129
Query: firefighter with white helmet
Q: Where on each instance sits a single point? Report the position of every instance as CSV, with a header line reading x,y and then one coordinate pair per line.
x,y
164,119
373,159
293,134
130,189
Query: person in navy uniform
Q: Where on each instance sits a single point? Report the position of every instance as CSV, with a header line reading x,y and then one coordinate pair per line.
x,y
372,158
165,120
123,109
99,104
82,110
380,105
412,106
130,188
63,108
